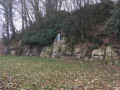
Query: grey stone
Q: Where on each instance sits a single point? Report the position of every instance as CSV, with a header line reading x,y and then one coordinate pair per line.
x,y
29,50
35,50
98,54
46,52
26,50
79,52
111,57
59,48
13,52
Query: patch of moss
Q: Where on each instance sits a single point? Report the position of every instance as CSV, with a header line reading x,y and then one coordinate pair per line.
x,y
49,48
69,49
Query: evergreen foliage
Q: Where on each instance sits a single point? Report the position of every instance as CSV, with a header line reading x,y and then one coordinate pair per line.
x,y
113,23
43,38
82,21
76,25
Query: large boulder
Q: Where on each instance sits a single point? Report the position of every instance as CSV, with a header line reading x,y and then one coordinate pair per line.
x,y
35,51
111,57
46,52
31,50
14,51
79,52
98,54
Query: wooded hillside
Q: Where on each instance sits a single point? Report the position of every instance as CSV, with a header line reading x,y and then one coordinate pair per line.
x,y
42,19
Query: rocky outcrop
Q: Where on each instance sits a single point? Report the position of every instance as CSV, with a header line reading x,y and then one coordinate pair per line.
x,y
59,48
26,50
46,52
29,50
98,54
111,56
79,52
35,50
69,51
14,51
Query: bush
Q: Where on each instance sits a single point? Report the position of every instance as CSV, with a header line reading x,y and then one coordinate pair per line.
x,y
113,23
43,38
81,22
95,40
56,18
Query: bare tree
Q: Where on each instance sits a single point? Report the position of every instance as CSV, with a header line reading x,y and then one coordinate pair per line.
x,y
6,15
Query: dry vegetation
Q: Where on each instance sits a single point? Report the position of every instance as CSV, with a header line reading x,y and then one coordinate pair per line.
x,y
32,73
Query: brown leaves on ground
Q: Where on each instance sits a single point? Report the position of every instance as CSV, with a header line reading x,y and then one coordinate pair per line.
x,y
30,73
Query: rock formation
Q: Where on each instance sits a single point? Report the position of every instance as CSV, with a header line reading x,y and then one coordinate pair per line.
x,y
111,56
59,48
79,52
46,52
98,54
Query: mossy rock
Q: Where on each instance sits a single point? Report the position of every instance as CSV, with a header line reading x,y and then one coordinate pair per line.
x,y
46,52
69,51
79,52
111,57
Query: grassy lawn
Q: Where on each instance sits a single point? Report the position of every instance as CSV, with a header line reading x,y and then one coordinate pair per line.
x,y
32,73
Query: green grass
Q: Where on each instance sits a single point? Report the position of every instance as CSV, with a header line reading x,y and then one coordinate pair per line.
x,y
34,73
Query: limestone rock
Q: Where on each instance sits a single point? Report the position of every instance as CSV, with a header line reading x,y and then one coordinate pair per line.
x,y
13,52
26,50
111,57
46,52
35,50
20,43
59,48
30,50
68,53
98,54
79,52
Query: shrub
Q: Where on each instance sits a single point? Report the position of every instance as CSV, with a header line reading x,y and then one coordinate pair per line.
x,y
113,23
81,22
43,38
56,18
